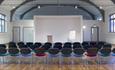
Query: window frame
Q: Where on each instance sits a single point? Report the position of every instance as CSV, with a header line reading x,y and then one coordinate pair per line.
x,y
2,23
112,28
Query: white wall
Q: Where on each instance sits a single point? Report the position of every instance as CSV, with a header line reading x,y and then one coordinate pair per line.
x,y
23,24
6,37
87,30
58,27
110,37
54,26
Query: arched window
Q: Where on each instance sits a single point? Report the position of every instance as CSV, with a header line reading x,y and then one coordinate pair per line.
x,y
112,23
2,23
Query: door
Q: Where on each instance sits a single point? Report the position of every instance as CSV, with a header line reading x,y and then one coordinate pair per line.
x,y
16,34
28,34
94,33
49,38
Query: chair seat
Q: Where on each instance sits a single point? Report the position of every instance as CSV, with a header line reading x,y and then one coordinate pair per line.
x,y
40,54
78,55
91,55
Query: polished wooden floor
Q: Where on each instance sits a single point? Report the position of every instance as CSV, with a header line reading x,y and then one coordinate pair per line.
x,y
53,67
54,64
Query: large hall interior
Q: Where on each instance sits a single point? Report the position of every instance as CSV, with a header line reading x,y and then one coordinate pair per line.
x,y
57,34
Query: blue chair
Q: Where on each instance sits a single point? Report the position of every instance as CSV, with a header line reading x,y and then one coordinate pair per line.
x,y
12,45
67,45
58,45
53,57
13,54
100,44
113,58
78,57
47,46
66,58
85,45
104,56
21,44
26,57
3,53
13,57
2,46
30,45
76,45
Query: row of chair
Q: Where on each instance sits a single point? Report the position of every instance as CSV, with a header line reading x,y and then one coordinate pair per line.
x,y
58,45
65,52
92,51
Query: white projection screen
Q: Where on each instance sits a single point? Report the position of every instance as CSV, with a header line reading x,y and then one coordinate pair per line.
x,y
58,27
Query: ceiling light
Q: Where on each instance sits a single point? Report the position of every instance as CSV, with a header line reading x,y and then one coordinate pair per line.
x,y
76,7
101,7
84,27
39,7
13,7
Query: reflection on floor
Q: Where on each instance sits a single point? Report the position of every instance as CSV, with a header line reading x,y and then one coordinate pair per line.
x,y
26,63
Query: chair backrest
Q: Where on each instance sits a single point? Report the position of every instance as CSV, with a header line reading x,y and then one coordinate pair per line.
x,y
58,45
30,45
47,45
85,43
12,45
93,43
3,51
20,43
2,46
100,44
76,45
66,52
67,45
113,50
37,45
53,51
107,46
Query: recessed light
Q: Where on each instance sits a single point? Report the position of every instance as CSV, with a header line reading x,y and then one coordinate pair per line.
x,y
13,7
84,27
76,7
101,7
39,7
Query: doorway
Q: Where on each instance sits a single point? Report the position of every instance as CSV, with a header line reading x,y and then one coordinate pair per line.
x,y
28,34
49,38
16,34
95,33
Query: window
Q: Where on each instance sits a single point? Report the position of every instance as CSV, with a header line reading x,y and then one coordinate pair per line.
x,y
112,23
2,23
72,35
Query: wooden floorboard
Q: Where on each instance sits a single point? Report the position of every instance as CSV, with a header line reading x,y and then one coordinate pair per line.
x,y
55,67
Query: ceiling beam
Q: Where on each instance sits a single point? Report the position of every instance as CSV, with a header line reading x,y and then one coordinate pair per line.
x,y
92,15
100,10
13,11
27,1
1,1
113,1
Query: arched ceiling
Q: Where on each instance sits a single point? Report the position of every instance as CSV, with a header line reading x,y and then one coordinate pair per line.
x,y
19,8
1,1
